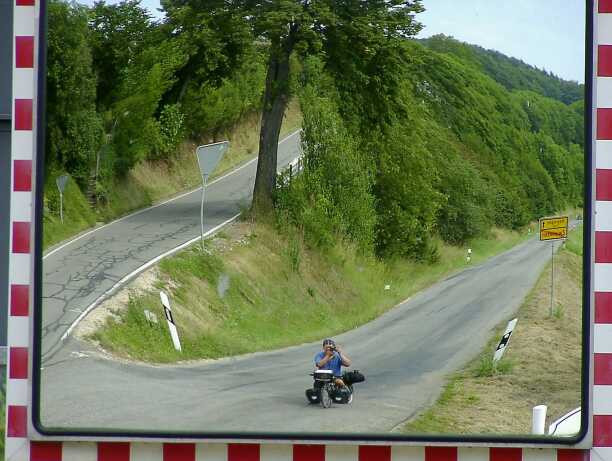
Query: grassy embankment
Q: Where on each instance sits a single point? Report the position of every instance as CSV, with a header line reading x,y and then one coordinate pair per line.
x,y
279,293
540,366
150,182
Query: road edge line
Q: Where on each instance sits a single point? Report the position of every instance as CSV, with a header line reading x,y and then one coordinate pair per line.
x,y
104,296
137,212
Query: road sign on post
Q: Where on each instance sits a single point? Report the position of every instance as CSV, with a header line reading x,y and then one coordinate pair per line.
x,y
553,229
61,185
209,157
171,325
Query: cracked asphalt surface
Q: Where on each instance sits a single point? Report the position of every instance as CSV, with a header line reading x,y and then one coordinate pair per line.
x,y
76,275
404,354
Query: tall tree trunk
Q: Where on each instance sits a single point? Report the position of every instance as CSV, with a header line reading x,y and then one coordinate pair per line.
x,y
276,97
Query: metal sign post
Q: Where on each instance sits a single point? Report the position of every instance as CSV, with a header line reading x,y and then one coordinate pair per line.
x,y
209,157
61,185
552,276
553,229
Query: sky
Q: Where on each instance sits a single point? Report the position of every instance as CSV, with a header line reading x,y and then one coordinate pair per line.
x,y
548,34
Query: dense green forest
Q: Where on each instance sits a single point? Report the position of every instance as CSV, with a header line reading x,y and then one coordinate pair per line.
x,y
510,72
403,140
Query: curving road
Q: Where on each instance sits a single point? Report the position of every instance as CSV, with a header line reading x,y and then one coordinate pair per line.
x,y
404,354
78,274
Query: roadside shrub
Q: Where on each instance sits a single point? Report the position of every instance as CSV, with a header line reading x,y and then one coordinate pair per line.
x,y
487,367
137,132
331,198
74,128
510,209
214,108
294,254
167,132
466,210
406,197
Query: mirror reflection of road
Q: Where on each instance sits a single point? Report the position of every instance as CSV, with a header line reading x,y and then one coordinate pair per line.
x,y
77,274
404,354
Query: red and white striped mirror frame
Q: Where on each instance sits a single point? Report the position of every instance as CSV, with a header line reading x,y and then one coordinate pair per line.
x,y
19,446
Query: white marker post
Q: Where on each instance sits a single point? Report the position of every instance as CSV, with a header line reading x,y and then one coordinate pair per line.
x,y
171,325
538,419
61,185
209,157
503,343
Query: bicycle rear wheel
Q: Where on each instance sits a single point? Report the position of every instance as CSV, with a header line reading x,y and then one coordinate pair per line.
x,y
326,399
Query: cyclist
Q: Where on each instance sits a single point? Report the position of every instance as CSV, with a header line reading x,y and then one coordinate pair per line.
x,y
332,358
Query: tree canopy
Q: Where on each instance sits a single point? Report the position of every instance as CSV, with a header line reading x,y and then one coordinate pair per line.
x,y
352,36
404,140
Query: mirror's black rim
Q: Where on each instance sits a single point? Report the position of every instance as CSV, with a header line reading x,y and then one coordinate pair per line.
x,y
247,436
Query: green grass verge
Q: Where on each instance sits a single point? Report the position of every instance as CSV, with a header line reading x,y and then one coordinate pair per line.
x,y
77,213
150,182
574,241
541,364
302,295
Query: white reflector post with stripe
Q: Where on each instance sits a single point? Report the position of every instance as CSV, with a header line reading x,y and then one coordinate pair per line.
x,y
503,343
171,325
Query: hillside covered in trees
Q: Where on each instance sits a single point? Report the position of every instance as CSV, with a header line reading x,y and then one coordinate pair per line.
x,y
510,72
403,139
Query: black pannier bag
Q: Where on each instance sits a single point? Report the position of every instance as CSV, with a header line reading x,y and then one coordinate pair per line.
x,y
342,395
352,377
312,396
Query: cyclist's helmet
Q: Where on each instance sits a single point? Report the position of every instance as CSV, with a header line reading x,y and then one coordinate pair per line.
x,y
329,342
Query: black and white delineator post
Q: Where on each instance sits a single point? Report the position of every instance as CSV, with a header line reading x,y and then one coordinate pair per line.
x,y
171,325
209,157
61,185
503,343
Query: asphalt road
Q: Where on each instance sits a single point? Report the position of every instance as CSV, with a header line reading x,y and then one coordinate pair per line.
x,y
76,275
404,355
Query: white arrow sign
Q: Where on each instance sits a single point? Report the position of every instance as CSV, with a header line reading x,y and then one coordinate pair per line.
x,y
171,325
503,343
